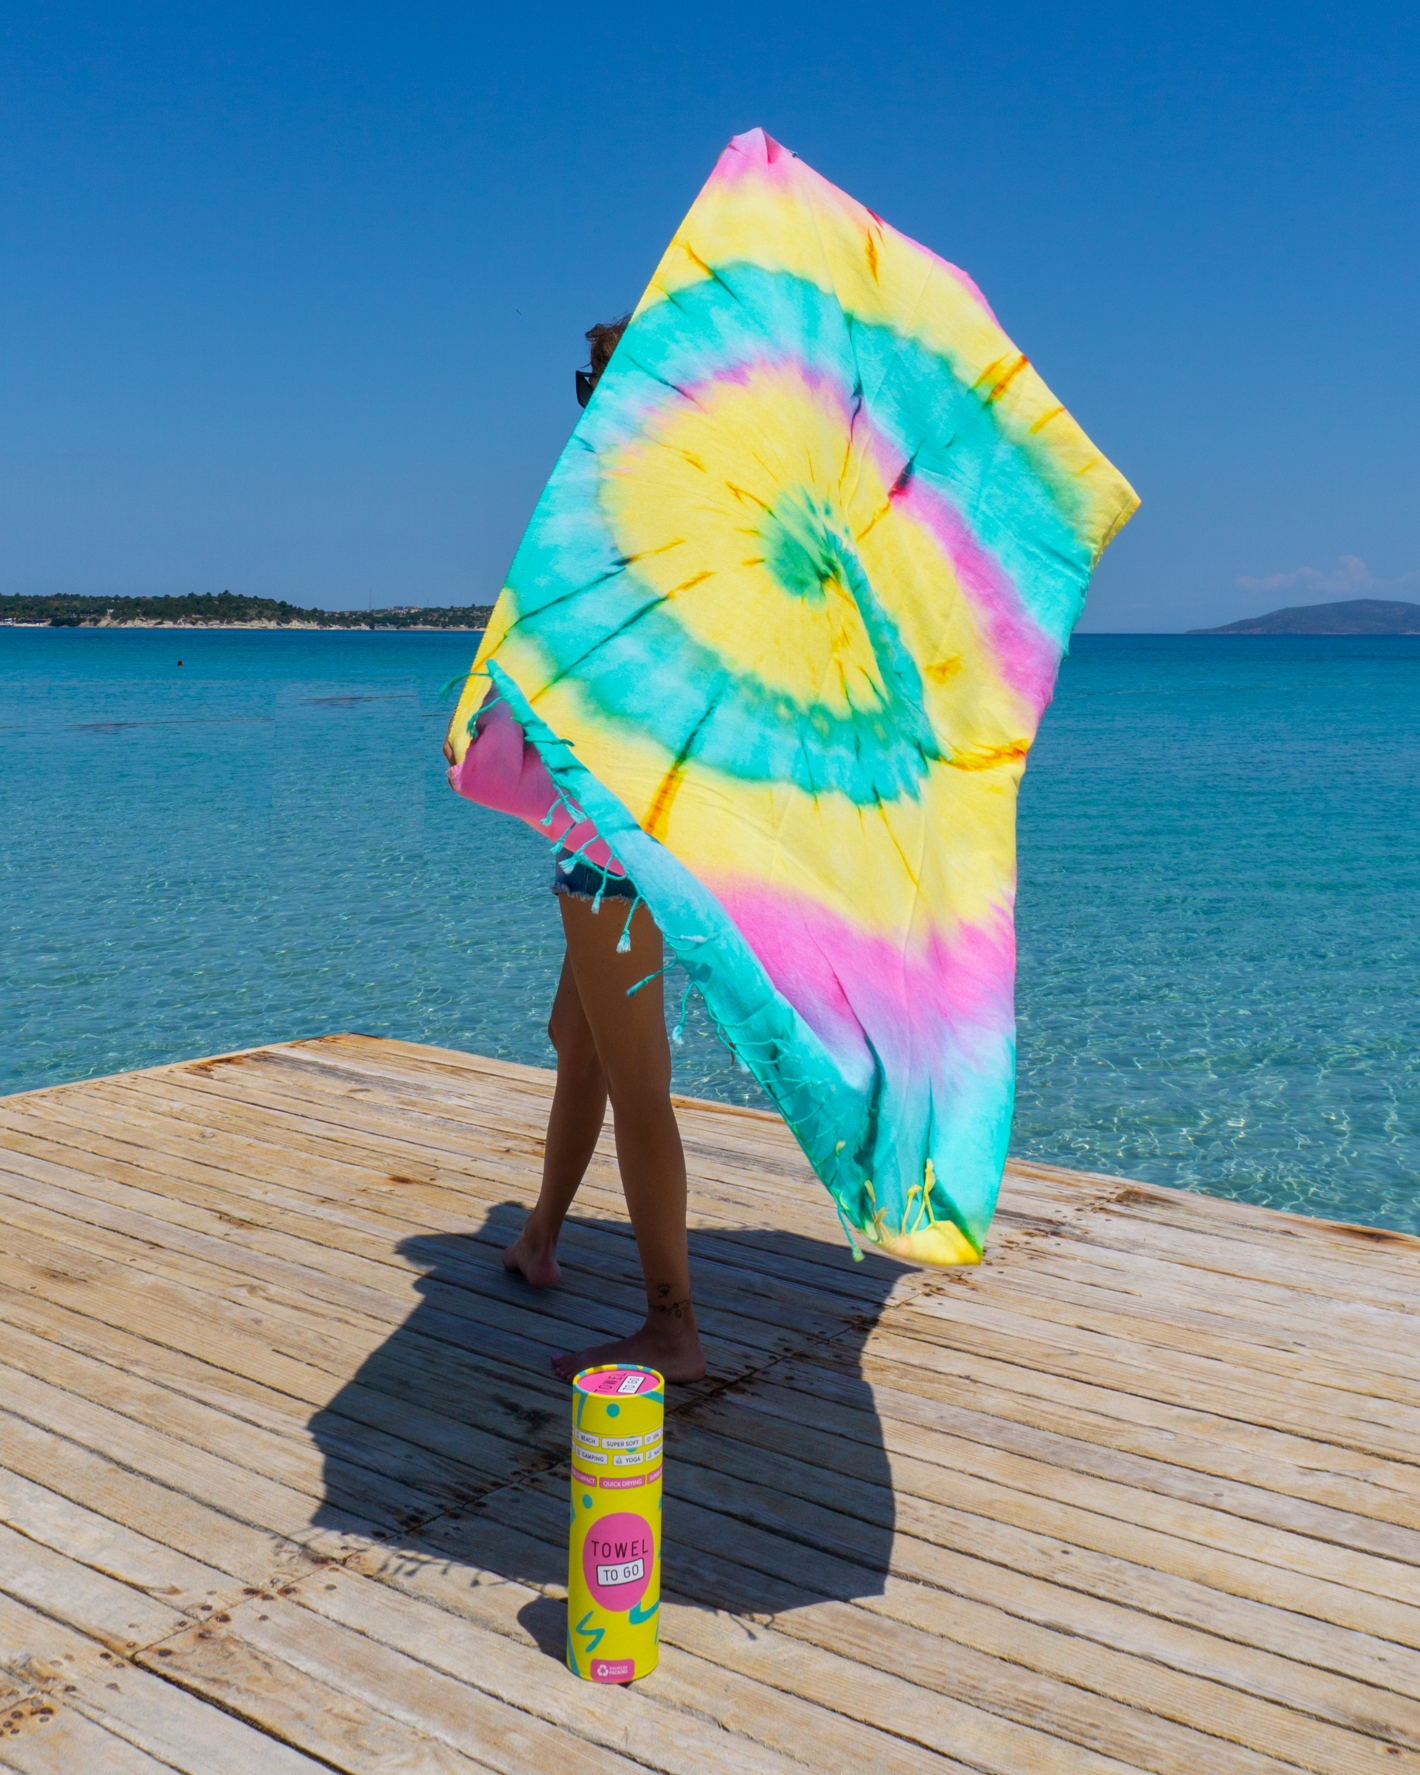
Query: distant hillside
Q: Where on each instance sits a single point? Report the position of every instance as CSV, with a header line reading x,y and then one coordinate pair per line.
x,y
225,610
1353,616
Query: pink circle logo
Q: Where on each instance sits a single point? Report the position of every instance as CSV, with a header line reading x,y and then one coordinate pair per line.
x,y
617,1556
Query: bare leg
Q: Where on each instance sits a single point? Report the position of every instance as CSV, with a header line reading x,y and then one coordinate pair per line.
x,y
573,1129
630,1039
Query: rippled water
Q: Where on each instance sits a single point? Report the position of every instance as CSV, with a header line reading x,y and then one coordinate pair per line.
x,y
1217,913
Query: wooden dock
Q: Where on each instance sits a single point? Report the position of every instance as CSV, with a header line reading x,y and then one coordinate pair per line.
x,y
283,1480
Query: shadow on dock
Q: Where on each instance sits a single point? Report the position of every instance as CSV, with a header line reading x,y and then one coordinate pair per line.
x,y
450,1442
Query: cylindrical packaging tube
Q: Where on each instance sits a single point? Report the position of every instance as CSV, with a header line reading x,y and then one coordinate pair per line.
x,y
614,1553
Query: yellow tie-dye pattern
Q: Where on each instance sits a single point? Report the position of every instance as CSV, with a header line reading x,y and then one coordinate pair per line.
x,y
952,849
689,506
803,226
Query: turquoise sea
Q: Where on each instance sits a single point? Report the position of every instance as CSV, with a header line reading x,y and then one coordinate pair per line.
x,y
1219,882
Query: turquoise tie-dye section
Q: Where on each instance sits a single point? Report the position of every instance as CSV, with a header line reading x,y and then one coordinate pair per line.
x,y
597,617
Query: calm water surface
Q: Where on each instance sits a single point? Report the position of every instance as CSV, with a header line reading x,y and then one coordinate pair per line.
x,y
1219,879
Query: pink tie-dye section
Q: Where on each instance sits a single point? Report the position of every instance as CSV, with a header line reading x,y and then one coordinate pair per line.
x,y
1026,657
503,771
849,984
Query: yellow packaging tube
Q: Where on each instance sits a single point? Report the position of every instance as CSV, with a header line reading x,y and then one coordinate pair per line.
x,y
614,1552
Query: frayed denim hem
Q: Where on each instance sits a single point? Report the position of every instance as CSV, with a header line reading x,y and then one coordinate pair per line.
x,y
586,881
607,893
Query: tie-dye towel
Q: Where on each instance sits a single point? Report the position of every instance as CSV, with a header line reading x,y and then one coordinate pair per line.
x,y
777,640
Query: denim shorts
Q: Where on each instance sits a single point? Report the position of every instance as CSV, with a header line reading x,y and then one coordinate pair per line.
x,y
585,881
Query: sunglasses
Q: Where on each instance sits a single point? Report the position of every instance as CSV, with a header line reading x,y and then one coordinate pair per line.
x,y
586,382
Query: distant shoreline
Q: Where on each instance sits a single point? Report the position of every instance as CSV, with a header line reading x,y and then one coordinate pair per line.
x,y
1352,616
228,610
430,628
313,628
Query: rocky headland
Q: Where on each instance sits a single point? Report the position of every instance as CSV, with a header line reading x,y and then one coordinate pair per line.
x,y
1353,616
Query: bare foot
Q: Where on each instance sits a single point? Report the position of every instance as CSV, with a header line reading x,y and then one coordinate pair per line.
x,y
674,1351
534,1260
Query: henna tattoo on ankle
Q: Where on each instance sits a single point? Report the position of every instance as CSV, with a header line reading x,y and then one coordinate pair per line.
x,y
671,1306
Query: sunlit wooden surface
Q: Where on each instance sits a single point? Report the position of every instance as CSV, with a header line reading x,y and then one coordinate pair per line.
x,y
283,1481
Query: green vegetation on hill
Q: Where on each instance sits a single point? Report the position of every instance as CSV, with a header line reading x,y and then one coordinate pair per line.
x,y
207,609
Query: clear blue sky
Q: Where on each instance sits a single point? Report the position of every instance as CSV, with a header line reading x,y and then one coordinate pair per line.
x,y
292,295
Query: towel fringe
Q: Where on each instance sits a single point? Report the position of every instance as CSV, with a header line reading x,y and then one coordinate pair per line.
x,y
623,942
458,678
482,708
650,977
847,1225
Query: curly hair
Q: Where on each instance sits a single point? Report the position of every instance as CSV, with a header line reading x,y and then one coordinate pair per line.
x,y
604,339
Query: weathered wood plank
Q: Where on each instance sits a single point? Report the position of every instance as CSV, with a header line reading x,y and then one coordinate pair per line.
x,y
333,1321
1174,1460
1040,1625
750,1571
290,1458
233,1486
1143,1492
1277,1319
49,1739
395,1207
176,1730
773,1706
1015,1388
152,1568
1253,1359
205,1199
1080,1691
1218,1383
975,1736
1329,1273
358,1707
257,1555
962,1441
844,1513
498,1419
253,1564
1129,1373
601,1272
114,1614
468,1146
